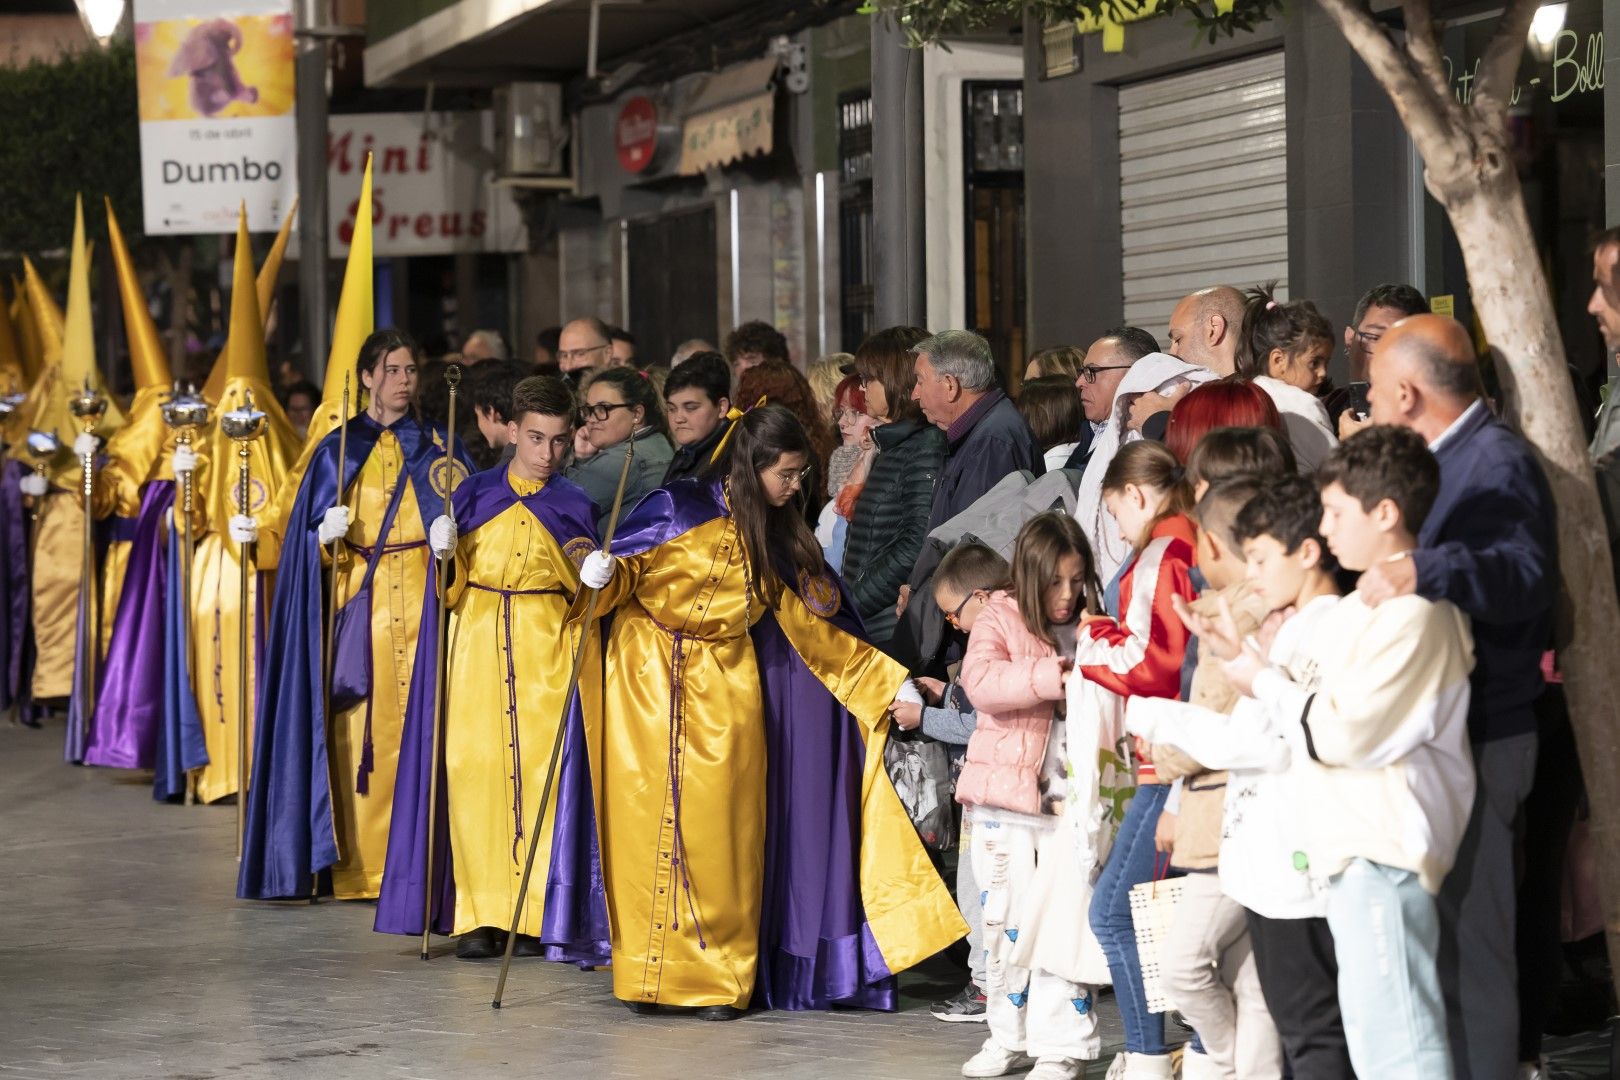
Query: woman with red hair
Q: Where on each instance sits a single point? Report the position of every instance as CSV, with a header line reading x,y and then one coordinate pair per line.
x,y
1227,403
846,468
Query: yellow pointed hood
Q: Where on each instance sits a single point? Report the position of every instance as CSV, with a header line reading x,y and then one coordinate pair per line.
x,y
47,316
13,375
147,357
22,319
271,270
246,373
79,331
354,324
265,284
244,344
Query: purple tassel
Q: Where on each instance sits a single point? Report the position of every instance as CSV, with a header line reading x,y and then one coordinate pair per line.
x,y
362,782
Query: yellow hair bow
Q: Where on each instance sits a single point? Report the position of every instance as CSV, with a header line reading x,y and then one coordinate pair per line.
x,y
733,415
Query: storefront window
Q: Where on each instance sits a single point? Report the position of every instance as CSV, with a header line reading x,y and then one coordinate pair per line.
x,y
993,123
1556,124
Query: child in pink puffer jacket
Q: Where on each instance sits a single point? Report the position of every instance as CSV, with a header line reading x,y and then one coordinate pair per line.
x,y
1014,782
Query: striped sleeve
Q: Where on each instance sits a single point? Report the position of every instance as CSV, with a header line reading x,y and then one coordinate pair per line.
x,y
1140,654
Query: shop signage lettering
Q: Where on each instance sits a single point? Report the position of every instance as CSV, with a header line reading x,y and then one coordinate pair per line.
x,y
431,192
1576,68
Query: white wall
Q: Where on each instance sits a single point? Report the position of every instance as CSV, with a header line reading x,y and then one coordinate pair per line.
x,y
943,75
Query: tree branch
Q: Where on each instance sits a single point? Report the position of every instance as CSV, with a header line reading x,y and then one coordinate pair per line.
x,y
1424,112
1499,68
1425,52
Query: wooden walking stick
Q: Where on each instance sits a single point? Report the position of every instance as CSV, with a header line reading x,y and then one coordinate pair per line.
x,y
452,376
562,727
88,407
243,425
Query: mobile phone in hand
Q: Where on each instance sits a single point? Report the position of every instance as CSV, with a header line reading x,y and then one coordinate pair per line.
x,y
1358,399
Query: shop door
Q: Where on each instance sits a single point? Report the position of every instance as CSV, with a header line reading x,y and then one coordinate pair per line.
x,y
1203,161
674,295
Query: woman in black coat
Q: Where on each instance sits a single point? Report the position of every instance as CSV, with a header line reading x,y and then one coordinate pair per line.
x,y
890,521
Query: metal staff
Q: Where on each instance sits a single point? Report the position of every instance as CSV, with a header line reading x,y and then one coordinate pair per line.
x,y
88,407
562,726
184,413
452,376
339,550
42,447
243,425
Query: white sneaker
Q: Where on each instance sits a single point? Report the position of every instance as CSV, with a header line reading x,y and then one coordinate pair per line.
x,y
1143,1067
1058,1068
1200,1067
1116,1068
993,1059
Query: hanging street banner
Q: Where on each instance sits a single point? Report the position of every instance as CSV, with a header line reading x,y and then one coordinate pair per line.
x,y
216,86
431,184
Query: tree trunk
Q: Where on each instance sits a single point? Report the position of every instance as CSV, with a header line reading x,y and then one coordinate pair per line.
x,y
179,308
1515,307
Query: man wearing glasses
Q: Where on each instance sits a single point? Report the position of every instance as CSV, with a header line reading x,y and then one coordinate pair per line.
x,y
1381,308
584,344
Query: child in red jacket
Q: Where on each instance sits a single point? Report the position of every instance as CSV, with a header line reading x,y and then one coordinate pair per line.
x,y
1139,653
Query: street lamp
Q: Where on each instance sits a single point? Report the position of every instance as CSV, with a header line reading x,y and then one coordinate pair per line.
x,y
1545,27
101,18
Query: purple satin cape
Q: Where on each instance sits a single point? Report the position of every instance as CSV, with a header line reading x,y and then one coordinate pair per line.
x,y
574,928
816,949
14,598
129,697
180,745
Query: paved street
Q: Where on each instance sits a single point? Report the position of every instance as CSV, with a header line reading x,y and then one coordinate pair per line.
x,y
126,955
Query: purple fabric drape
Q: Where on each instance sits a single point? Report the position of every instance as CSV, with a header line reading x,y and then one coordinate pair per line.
x,y
129,698
14,598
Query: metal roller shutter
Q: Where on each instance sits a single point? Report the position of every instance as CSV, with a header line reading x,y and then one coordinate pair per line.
x,y
1203,184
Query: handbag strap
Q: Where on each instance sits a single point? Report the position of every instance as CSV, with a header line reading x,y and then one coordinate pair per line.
x,y
382,536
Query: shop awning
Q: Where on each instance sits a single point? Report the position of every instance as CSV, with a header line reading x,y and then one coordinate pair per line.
x,y
732,117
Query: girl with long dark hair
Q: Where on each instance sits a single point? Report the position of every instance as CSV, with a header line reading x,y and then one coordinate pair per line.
x,y
323,785
748,849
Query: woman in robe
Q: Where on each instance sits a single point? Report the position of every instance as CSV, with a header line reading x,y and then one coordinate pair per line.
x,y
324,795
753,848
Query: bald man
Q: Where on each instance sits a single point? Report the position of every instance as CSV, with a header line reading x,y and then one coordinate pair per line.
x,y
1488,545
583,344
1204,329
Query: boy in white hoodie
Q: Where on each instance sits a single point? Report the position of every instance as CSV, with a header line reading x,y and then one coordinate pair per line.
x,y
1379,735
1287,563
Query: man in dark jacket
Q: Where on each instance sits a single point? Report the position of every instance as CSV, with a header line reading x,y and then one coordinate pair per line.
x,y
697,397
985,439
1488,545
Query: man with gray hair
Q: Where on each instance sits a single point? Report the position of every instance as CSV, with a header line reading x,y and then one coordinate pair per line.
x,y
985,436
483,345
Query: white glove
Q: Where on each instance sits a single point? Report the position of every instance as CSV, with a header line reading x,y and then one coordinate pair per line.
x,y
442,536
909,692
34,484
244,529
184,460
85,445
597,570
335,524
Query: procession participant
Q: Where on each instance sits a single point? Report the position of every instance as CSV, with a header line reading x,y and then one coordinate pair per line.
x,y
222,525
135,488
729,882
68,344
513,538
15,365
325,790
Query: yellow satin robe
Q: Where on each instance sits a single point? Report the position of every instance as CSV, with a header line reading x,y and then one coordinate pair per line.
x,y
58,569
361,821
696,582
216,594
511,554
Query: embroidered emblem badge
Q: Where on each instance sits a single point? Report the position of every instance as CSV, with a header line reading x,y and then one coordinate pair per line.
x,y
579,547
436,474
820,593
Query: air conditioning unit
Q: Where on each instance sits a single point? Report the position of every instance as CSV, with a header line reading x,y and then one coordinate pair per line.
x,y
531,130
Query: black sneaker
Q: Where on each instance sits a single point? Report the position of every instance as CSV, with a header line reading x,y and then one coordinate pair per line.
x,y
965,1008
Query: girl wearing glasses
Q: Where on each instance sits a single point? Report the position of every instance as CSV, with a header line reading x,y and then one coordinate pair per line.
x,y
751,840
621,407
